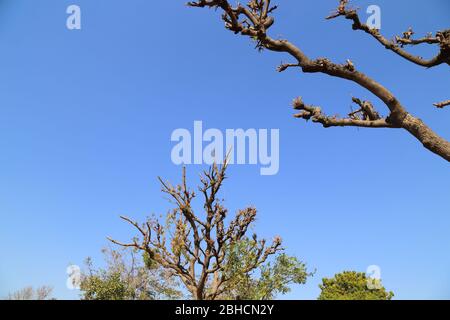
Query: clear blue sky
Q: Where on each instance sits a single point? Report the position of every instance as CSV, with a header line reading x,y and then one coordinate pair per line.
x,y
86,118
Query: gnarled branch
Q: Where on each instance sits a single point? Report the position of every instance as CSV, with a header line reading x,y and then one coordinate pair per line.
x,y
254,21
442,38
359,118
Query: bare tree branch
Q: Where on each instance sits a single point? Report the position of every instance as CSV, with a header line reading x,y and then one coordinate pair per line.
x,y
442,104
442,38
254,21
315,114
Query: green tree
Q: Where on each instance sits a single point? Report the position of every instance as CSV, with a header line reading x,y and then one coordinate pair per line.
x,y
126,277
265,283
351,285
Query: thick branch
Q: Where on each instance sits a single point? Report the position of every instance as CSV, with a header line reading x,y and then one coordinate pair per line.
x,y
315,114
256,24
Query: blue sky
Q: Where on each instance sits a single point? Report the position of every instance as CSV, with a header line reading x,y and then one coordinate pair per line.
x,y
86,118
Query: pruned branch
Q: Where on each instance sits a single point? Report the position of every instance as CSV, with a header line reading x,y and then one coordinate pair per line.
x,y
253,21
441,38
284,66
407,40
315,114
442,104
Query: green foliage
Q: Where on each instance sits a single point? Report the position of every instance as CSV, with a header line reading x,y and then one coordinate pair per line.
x,y
351,285
105,286
265,282
126,277
149,261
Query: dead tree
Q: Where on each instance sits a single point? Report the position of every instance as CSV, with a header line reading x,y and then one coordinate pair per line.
x,y
255,19
195,247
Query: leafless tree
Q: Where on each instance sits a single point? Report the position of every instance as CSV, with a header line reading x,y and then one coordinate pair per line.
x,y
255,19
29,293
196,247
